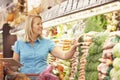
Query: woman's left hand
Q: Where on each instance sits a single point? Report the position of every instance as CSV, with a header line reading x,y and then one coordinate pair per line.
x,y
75,44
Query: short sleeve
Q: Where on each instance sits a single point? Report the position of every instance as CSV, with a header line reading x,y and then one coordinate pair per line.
x,y
17,47
51,45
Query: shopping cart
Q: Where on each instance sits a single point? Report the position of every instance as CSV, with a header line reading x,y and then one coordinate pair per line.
x,y
45,75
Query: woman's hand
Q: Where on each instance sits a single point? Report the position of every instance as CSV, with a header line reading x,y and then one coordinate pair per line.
x,y
75,44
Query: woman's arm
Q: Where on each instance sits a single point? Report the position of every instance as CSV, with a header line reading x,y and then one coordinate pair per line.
x,y
16,56
57,52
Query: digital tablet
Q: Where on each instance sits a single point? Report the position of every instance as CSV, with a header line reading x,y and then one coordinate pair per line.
x,y
11,62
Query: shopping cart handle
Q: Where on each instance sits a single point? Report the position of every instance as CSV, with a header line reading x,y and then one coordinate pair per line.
x,y
32,74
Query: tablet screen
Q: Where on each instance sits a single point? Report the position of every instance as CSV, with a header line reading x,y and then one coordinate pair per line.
x,y
11,61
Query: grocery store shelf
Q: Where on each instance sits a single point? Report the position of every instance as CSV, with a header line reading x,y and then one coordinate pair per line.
x,y
84,14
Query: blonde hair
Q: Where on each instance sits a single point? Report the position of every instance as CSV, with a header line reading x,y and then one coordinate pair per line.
x,y
28,27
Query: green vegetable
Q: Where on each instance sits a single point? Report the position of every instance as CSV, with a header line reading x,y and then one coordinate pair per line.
x,y
91,67
96,23
97,46
95,49
116,50
100,38
115,39
107,78
93,75
115,74
93,58
116,63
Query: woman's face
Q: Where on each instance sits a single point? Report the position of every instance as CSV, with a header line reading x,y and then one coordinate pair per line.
x,y
37,26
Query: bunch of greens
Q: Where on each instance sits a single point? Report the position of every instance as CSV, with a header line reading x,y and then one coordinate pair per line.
x,y
95,52
96,23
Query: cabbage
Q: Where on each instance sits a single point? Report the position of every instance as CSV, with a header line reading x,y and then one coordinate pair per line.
x,y
118,75
115,74
116,63
116,50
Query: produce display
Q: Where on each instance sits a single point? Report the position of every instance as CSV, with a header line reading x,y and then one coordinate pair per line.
x,y
98,56
106,60
94,54
114,73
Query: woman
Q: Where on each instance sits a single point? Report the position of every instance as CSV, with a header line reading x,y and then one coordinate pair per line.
x,y
32,52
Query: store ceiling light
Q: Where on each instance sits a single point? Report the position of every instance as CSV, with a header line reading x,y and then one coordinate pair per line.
x,y
84,14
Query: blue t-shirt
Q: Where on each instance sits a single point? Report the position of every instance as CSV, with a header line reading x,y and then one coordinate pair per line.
x,y
33,57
